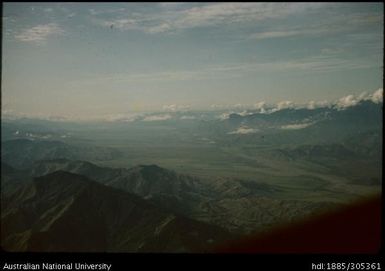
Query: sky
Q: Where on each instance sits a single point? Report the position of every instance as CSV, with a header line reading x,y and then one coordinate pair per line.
x,y
81,60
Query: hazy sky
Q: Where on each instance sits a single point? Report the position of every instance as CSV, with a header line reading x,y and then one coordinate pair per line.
x,y
87,59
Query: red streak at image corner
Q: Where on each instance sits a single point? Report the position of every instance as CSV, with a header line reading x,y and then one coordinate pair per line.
x,y
350,230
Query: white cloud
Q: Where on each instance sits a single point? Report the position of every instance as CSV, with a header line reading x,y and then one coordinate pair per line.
x,y
231,70
157,117
209,14
172,4
342,103
296,126
261,106
104,11
326,26
238,105
39,33
170,107
377,96
224,116
347,101
227,13
175,107
246,113
317,104
274,34
217,106
243,131
187,117
122,117
351,100
162,27
121,24
284,105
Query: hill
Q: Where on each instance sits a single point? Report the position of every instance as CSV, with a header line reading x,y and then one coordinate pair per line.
x,y
62,211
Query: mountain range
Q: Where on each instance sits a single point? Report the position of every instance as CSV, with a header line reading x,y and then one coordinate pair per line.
x,y
182,185
67,212
217,202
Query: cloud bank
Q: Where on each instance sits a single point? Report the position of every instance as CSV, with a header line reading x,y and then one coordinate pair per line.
x,y
157,117
296,126
243,131
175,107
180,17
352,100
39,33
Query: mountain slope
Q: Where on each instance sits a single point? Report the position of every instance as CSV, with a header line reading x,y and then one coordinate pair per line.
x,y
327,125
171,190
12,178
68,212
241,206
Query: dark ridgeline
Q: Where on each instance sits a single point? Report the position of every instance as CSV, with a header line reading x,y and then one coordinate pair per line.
x,y
68,212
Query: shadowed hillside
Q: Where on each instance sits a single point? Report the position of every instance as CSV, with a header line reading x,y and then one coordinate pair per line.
x,y
68,212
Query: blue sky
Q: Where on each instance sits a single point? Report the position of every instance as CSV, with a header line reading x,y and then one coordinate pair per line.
x,y
93,59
